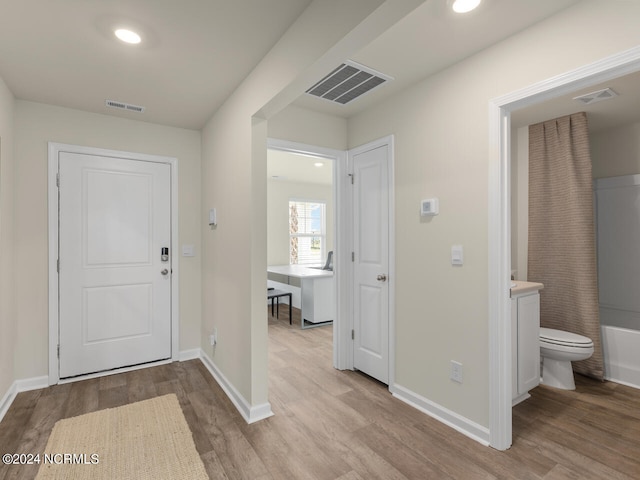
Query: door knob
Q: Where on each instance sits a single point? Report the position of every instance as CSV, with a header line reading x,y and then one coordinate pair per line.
x,y
164,272
382,277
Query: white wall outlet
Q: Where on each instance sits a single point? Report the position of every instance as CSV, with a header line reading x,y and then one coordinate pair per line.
x,y
456,371
213,338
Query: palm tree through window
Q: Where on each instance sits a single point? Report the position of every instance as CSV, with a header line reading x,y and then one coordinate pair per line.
x,y
307,232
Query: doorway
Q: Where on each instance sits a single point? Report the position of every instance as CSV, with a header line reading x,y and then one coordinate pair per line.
x,y
500,222
345,254
112,277
304,178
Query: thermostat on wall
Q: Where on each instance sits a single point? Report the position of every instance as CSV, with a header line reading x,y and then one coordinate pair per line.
x,y
429,207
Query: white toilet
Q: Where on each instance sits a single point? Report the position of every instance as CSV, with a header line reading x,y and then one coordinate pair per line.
x,y
557,350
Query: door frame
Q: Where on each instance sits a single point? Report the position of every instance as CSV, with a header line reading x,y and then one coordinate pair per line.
x,y
499,255
54,149
339,158
343,244
387,141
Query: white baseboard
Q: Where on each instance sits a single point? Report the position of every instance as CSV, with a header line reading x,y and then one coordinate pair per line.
x,y
250,413
7,400
624,374
18,386
192,354
34,383
462,424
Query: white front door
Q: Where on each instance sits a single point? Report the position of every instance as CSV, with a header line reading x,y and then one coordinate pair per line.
x,y
114,284
371,261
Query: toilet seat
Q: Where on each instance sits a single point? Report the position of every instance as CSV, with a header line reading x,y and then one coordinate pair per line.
x,y
562,338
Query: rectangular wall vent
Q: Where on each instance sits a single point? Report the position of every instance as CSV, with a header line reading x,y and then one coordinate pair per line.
x,y
593,97
124,106
348,82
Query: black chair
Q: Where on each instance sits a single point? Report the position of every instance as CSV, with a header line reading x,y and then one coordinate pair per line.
x,y
274,295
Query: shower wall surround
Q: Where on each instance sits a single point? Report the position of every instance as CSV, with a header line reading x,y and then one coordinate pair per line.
x,y
618,231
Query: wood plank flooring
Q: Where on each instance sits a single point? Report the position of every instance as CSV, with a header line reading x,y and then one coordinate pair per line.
x,y
343,425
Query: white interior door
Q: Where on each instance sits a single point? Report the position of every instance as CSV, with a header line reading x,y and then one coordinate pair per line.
x,y
114,285
371,262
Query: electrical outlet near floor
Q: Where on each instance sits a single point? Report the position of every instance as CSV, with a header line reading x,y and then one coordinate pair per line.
x,y
456,371
213,338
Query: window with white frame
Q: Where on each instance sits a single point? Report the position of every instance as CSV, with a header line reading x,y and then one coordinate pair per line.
x,y
307,232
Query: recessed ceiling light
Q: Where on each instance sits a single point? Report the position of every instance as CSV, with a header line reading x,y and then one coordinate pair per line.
x,y
318,164
128,36
464,6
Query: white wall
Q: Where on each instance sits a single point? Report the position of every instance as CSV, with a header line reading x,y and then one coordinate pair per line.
x,y
441,128
300,125
520,202
234,180
616,152
35,125
7,319
278,195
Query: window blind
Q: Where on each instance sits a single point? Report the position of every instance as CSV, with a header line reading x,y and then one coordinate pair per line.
x,y
306,232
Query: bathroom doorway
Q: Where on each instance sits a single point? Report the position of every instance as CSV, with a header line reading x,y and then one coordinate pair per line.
x,y
503,110
613,129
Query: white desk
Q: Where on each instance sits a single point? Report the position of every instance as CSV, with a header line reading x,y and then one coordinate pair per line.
x,y
317,292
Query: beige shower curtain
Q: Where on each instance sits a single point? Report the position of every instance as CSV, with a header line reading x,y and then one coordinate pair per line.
x,y
562,253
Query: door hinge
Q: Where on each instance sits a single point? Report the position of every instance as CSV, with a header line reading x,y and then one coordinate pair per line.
x,y
352,175
353,256
58,350
353,335
58,265
58,180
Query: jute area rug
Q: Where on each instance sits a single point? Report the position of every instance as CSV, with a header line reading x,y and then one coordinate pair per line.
x,y
143,440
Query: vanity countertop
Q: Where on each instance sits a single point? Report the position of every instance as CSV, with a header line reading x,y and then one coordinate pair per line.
x,y
522,288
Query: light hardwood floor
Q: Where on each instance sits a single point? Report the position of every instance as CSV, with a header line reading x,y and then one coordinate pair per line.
x,y
344,425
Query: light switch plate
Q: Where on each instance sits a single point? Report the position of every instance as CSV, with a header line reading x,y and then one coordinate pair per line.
x,y
457,255
188,251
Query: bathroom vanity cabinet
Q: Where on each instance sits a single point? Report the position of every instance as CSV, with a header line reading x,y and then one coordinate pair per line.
x,y
525,339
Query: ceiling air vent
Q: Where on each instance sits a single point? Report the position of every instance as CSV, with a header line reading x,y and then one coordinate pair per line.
x,y
124,106
594,97
348,82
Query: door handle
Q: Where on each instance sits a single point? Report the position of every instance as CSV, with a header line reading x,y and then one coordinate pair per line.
x,y
164,272
382,277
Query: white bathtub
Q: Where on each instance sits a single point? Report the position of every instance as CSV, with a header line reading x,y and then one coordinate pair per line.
x,y
621,349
